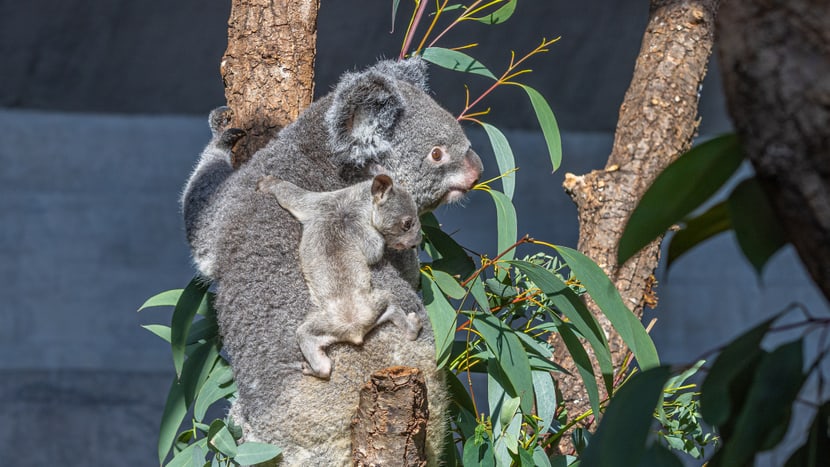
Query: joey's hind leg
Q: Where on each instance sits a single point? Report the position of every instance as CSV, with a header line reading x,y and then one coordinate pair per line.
x,y
409,323
313,344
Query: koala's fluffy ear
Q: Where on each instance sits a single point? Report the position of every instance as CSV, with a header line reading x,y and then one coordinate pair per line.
x,y
381,185
412,70
364,111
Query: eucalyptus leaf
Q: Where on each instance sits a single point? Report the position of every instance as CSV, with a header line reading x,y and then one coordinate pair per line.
x,y
479,294
251,453
460,396
479,454
814,452
448,284
550,129
499,16
221,439
203,330
570,305
395,4
699,229
621,436
715,405
680,189
583,365
608,299
443,317
188,456
777,382
166,298
510,355
186,308
758,230
540,457
214,389
159,330
171,418
197,368
506,224
546,402
658,456
504,158
454,260
456,61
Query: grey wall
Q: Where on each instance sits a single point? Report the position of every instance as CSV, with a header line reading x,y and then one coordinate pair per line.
x,y
103,114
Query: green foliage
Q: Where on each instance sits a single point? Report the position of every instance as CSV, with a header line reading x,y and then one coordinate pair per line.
x,y
749,393
685,184
757,228
688,183
679,416
630,412
204,379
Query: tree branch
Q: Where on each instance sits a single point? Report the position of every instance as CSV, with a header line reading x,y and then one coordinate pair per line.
x,y
390,425
268,67
658,120
775,60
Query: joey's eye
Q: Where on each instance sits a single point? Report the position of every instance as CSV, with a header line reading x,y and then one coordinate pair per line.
x,y
437,154
407,224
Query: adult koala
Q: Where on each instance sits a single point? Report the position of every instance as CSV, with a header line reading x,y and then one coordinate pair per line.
x,y
378,119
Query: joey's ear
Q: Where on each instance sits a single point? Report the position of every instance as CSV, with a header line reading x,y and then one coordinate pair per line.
x,y
412,70
364,111
381,185
377,169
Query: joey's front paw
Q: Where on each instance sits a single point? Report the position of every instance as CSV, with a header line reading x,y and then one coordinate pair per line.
x,y
413,326
324,372
267,183
230,137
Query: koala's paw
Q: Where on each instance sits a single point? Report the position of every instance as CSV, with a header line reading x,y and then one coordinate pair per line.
x,y
220,119
267,183
229,137
413,326
324,372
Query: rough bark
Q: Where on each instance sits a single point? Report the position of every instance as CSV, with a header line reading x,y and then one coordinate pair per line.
x,y
268,67
389,427
775,58
657,122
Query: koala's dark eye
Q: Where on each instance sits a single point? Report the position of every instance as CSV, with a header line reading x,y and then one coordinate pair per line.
x,y
407,224
437,154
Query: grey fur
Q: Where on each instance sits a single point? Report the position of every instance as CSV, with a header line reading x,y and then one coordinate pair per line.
x,y
200,212
252,245
345,233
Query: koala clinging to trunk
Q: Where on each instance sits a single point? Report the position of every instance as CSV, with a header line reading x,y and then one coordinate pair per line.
x,y
345,232
249,247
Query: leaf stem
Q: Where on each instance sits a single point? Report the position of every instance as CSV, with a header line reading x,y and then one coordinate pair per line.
x,y
506,76
413,25
525,239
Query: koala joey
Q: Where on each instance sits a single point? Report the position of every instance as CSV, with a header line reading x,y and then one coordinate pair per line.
x,y
344,234
379,120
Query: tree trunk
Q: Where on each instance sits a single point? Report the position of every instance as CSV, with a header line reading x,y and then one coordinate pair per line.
x,y
390,425
268,67
775,58
658,120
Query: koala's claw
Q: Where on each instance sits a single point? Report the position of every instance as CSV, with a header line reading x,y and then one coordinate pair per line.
x,y
413,326
220,119
230,136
